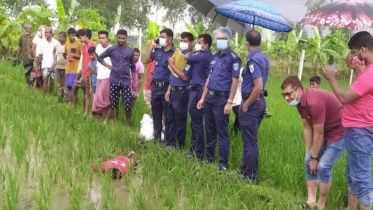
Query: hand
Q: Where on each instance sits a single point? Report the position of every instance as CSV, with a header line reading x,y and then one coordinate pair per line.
x,y
329,74
171,61
53,67
313,167
91,90
244,108
227,109
200,104
153,44
167,96
350,62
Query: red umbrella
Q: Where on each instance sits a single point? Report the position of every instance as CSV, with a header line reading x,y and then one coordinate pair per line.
x,y
352,14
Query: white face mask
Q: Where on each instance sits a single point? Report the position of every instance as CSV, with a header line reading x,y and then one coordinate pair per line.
x,y
183,46
198,47
39,34
295,102
162,42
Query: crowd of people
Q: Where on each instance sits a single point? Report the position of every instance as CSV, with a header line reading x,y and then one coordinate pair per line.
x,y
209,87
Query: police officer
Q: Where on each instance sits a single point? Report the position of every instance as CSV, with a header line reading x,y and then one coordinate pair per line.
x,y
253,105
217,98
178,96
161,76
201,67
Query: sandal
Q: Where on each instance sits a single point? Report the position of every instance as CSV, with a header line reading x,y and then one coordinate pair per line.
x,y
305,205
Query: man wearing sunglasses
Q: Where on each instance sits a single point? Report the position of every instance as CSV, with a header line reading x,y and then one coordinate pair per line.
x,y
321,113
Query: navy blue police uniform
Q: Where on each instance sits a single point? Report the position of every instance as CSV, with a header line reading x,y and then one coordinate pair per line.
x,y
201,68
224,67
177,112
257,67
159,87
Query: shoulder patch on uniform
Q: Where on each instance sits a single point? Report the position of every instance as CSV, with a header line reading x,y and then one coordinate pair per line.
x,y
233,55
212,62
235,66
251,66
187,67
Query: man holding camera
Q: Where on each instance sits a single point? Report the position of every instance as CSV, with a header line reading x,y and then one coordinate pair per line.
x,y
161,76
25,47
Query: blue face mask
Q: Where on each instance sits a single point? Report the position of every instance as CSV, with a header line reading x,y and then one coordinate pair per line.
x,y
294,102
222,44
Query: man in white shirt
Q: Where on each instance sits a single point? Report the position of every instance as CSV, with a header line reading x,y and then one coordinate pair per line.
x,y
101,102
36,75
47,60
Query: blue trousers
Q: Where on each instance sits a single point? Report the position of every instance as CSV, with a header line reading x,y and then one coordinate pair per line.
x,y
197,142
359,145
159,107
216,125
249,123
176,118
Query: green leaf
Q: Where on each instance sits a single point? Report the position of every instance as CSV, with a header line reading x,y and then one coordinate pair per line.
x,y
60,8
201,30
332,53
289,42
323,58
191,29
317,37
72,8
345,53
119,13
153,29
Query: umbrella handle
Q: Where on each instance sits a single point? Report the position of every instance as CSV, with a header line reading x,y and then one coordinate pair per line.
x,y
208,28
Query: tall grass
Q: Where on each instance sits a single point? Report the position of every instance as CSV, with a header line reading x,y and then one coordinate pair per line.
x,y
54,145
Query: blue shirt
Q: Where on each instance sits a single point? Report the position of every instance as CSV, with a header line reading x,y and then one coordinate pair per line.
x,y
223,68
161,71
257,66
201,67
175,81
123,61
92,69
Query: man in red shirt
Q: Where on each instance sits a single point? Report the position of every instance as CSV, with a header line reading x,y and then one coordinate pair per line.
x,y
321,113
148,81
85,38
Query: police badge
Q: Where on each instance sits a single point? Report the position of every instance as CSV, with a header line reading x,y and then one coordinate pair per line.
x,y
235,66
251,66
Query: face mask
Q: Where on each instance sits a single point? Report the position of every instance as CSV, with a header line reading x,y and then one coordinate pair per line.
x,y
39,34
222,44
162,42
183,46
198,47
294,102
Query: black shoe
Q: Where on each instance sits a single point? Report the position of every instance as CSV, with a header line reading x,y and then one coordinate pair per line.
x,y
222,169
267,115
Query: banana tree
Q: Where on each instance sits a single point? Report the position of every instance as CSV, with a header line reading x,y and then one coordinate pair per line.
x,y
319,50
37,15
64,19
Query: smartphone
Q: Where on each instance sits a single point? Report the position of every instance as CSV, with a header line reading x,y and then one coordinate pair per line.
x,y
156,41
332,65
73,50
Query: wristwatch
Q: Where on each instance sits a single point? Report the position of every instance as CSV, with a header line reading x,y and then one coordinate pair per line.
x,y
230,101
314,158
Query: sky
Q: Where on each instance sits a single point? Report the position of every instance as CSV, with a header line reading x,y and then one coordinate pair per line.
x,y
295,10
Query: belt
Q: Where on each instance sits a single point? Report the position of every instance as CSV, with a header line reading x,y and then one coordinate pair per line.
x,y
245,96
161,84
196,88
218,93
176,88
